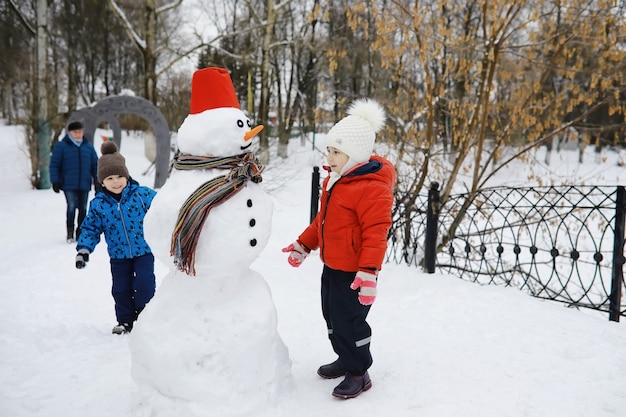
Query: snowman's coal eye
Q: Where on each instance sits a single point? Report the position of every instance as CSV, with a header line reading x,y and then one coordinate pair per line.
x,y
240,123
249,123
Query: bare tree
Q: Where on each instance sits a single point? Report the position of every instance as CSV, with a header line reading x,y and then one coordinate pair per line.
x,y
267,21
38,136
474,73
295,68
152,39
271,43
93,56
41,103
17,38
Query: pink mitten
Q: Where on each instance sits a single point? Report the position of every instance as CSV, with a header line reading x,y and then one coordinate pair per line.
x,y
297,253
366,281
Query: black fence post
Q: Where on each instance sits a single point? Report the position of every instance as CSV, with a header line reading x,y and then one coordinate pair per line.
x,y
315,192
432,224
618,257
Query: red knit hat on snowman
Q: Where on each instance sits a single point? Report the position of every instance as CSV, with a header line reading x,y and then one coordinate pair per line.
x,y
212,88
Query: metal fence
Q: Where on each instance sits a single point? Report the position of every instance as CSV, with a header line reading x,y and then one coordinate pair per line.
x,y
558,243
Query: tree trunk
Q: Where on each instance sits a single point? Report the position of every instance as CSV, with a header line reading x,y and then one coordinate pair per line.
x,y
283,143
266,79
149,58
41,105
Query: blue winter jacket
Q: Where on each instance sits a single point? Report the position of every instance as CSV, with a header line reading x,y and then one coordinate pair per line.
x,y
120,221
74,167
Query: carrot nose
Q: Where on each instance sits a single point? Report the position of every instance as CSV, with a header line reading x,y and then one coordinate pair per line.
x,y
252,133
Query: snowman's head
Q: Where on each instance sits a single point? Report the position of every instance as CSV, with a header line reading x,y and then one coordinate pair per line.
x,y
216,126
221,131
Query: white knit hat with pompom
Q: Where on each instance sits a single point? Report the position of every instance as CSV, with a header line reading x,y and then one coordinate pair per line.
x,y
355,134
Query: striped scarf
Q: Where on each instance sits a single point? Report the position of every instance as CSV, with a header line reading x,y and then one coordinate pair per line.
x,y
194,211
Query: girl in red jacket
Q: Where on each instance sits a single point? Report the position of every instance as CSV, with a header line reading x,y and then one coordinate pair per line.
x,y
350,231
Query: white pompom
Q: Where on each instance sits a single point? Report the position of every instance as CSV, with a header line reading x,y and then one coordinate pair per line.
x,y
369,110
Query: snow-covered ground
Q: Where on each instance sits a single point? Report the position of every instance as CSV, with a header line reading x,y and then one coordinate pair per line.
x,y
442,347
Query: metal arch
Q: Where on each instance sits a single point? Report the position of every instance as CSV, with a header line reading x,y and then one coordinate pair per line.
x,y
110,107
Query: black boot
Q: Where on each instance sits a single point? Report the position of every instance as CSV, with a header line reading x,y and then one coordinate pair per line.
x,y
122,328
332,370
70,234
352,386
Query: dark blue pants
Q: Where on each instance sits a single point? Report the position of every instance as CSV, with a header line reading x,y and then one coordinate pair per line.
x,y
134,284
345,318
76,200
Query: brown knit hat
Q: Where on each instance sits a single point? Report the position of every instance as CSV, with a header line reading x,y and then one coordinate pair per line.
x,y
111,162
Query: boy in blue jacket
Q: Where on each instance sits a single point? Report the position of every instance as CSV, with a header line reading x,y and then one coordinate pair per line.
x,y
118,212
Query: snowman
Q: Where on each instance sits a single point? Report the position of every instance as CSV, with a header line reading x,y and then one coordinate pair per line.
x,y
207,343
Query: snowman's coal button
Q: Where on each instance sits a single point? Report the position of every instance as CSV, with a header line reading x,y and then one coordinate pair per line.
x,y
253,242
249,203
252,222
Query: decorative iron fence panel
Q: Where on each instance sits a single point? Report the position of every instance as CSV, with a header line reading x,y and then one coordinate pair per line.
x,y
407,235
558,243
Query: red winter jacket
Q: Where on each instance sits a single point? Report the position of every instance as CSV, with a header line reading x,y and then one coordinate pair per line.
x,y
354,218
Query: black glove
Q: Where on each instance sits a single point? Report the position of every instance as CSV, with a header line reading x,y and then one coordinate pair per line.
x,y
82,257
56,187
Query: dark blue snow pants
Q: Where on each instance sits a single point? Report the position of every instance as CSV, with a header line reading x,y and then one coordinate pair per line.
x,y
345,317
134,285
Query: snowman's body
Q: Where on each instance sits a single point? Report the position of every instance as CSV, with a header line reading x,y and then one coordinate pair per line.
x,y
224,316
236,230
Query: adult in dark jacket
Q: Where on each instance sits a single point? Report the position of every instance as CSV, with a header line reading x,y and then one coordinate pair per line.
x,y
73,169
